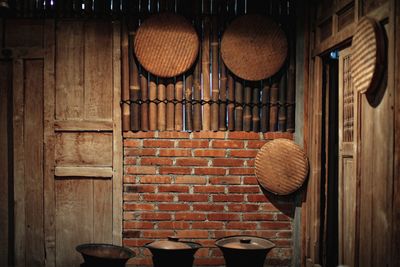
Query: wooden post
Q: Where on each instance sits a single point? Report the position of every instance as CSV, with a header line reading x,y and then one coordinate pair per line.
x,y
215,78
231,105
205,52
282,105
126,123
188,98
256,109
197,97
238,107
291,88
273,108
133,85
152,106
178,106
144,106
161,108
170,105
265,98
222,97
247,109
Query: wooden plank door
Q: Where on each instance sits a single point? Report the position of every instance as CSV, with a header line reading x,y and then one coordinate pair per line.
x,y
347,179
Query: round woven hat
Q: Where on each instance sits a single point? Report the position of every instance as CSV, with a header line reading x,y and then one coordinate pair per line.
x,y
254,47
367,56
281,166
166,45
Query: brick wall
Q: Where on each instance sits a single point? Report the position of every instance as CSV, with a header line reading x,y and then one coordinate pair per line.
x,y
200,186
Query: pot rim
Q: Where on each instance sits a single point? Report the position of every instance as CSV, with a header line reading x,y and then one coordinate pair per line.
x,y
80,247
194,247
271,246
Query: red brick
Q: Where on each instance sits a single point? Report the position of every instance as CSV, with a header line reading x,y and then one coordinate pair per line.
x,y
250,180
130,161
228,162
174,170
140,152
209,261
193,197
129,179
157,233
192,233
250,163
156,216
224,233
275,225
284,234
138,225
255,144
135,242
244,135
241,171
227,144
268,207
208,207
136,206
173,225
131,196
132,143
209,153
207,225
173,135
155,179
193,144
209,171
191,162
228,198
283,217
158,143
138,135
208,189
139,261
190,180
244,153
130,234
156,161
190,216
175,152
173,207
208,135
243,207
283,243
258,217
129,215
244,189
158,197
257,198
140,170
242,225
275,135
139,188
225,180
223,217
173,188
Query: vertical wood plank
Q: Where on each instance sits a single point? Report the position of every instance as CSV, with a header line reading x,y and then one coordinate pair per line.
x,y
98,70
117,140
49,111
33,161
102,211
126,123
69,70
18,159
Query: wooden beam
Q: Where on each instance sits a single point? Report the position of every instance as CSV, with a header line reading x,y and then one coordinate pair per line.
x,y
77,171
83,125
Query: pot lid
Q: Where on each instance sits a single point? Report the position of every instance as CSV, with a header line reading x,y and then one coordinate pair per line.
x,y
171,243
244,242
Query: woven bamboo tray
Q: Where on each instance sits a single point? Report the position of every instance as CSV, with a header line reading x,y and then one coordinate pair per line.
x,y
166,45
281,166
254,47
367,56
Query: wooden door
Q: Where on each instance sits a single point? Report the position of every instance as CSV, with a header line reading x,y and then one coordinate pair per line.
x,y
347,179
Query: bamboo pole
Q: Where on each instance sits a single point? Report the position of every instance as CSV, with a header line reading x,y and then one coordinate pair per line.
x,y
161,107
282,107
188,98
265,98
206,73
170,105
247,109
291,85
222,97
179,106
238,107
215,78
152,106
133,85
197,97
256,109
126,114
273,113
144,121
231,105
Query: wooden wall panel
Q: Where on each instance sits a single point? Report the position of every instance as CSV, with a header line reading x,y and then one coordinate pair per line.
x,y
98,71
69,70
102,211
24,33
83,149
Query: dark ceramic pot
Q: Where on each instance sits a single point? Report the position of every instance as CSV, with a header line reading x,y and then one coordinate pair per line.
x,y
244,250
172,252
104,255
